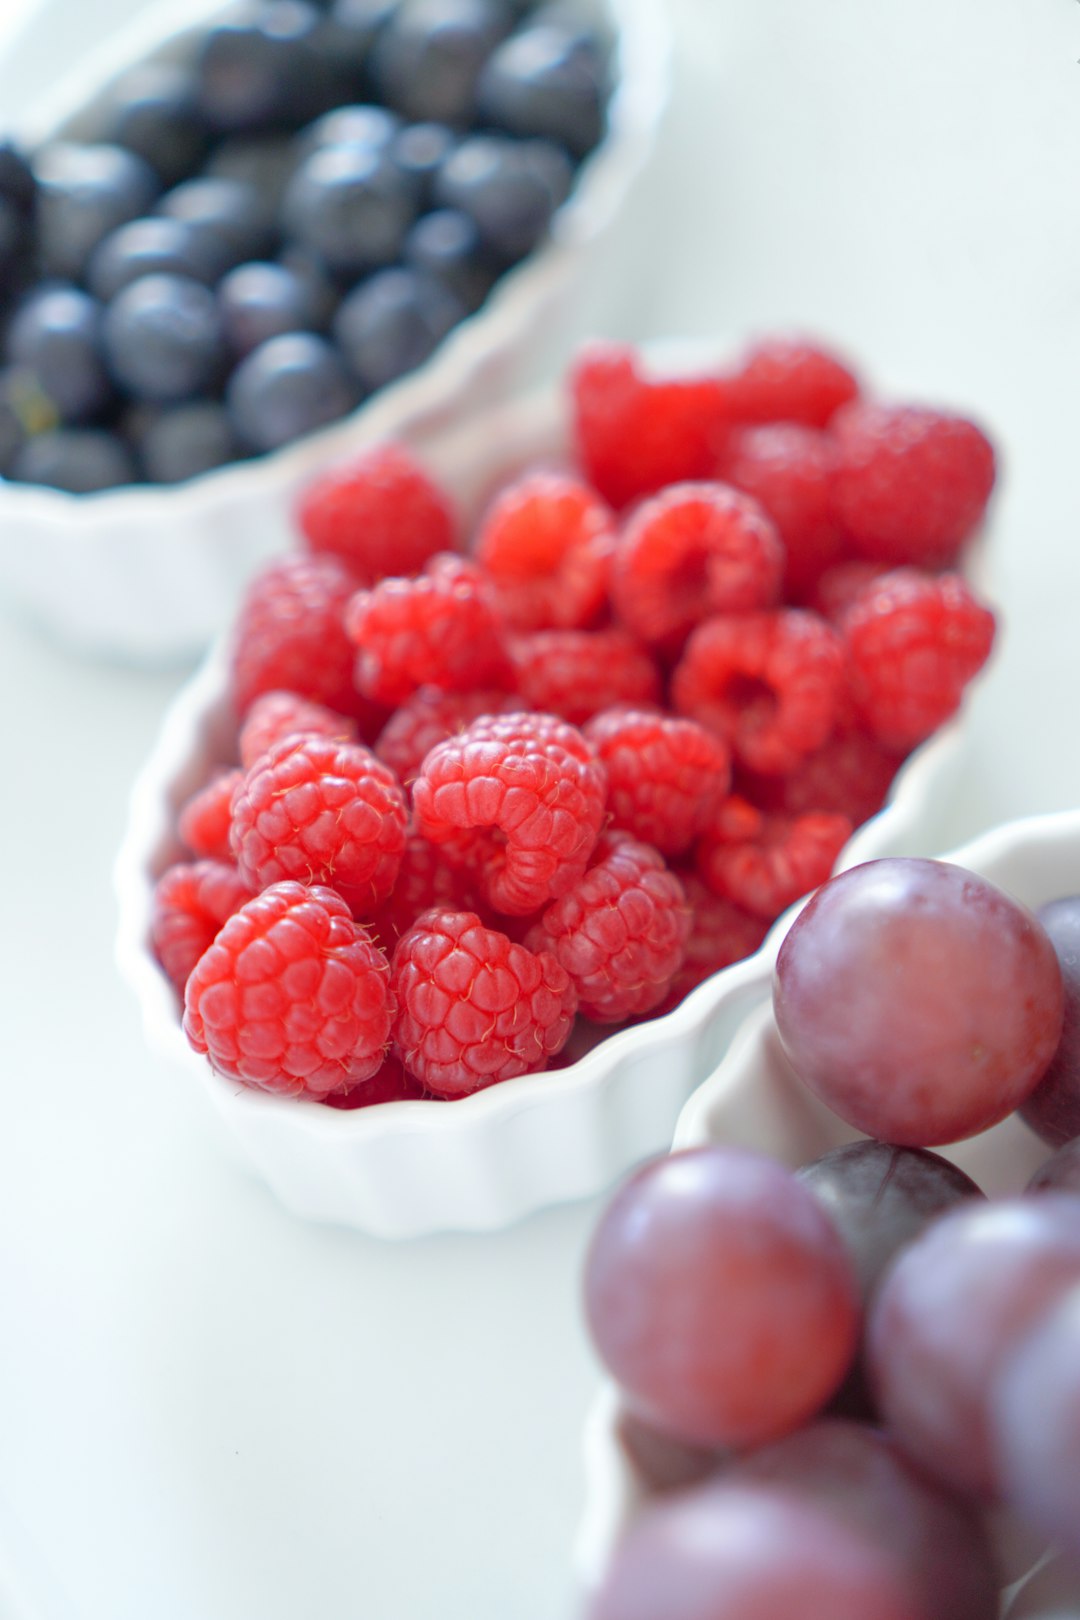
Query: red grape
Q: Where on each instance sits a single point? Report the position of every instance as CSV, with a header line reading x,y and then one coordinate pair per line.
x,y
1061,1171
1053,1109
917,1000
661,1463
1051,1593
1037,1424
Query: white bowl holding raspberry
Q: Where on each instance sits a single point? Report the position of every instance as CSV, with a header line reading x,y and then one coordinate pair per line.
x,y
553,724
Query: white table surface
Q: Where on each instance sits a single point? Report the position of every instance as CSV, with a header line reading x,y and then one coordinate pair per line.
x,y
211,1412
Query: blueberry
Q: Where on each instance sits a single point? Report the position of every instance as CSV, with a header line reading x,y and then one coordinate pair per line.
x,y
351,206
14,246
225,215
321,293
17,185
182,441
261,301
56,335
392,322
162,338
24,409
153,114
266,163
427,59
546,82
265,72
357,125
287,387
445,244
352,28
509,189
76,459
146,247
84,192
420,152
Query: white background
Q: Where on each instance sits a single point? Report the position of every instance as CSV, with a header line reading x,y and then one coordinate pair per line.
x,y
211,1412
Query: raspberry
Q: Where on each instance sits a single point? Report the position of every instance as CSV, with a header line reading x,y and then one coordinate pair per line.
x,y
473,1007
666,777
391,1083
439,629
620,932
850,774
380,514
191,902
910,485
276,715
633,435
535,783
320,812
292,996
839,585
770,684
788,380
787,469
203,823
720,933
765,863
290,634
915,641
546,542
425,879
694,550
576,673
428,718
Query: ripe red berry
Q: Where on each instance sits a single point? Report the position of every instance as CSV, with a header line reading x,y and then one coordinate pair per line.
x,y
720,933
290,635
391,1083
380,514
666,776
764,863
789,380
276,715
850,774
576,673
428,718
425,879
204,821
787,469
546,542
191,902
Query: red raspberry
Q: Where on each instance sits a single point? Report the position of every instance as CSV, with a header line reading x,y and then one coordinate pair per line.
x,y
620,932
276,715
439,629
292,996
473,1007
694,550
770,684
789,380
380,514
720,933
841,584
576,673
191,902
321,812
787,469
546,541
666,777
850,774
634,435
390,1084
204,822
536,784
290,634
425,879
428,718
765,863
910,485
915,641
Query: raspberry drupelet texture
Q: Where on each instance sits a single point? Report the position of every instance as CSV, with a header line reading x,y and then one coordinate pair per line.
x,y
666,777
546,542
519,799
192,901
292,996
910,485
620,932
475,1008
290,635
576,673
425,879
439,629
635,435
789,380
276,715
321,812
390,1084
204,821
787,469
720,933
689,552
764,863
850,774
770,684
427,719
841,583
915,641
380,514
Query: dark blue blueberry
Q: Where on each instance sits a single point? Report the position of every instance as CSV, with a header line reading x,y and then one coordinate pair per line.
x,y
153,113
286,388
321,292
80,460
264,162
56,335
84,192
14,246
147,247
226,215
509,189
351,206
392,322
427,59
17,185
162,338
182,441
446,244
352,28
545,82
420,152
261,301
267,71
357,125
24,409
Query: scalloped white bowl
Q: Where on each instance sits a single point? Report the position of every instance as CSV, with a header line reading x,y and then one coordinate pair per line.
x,y
150,574
755,1100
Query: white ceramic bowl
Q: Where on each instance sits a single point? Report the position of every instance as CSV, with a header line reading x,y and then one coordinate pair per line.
x,y
150,574
755,1100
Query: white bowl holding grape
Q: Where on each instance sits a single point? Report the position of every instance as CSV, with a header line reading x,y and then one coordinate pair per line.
x,y
961,1364
248,270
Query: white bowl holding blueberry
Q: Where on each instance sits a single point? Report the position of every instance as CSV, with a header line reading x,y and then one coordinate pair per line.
x,y
243,242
